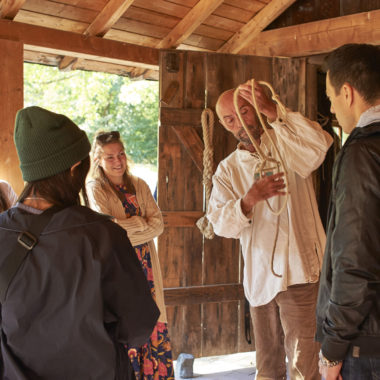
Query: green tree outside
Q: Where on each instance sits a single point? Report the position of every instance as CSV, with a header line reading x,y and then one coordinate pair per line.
x,y
99,101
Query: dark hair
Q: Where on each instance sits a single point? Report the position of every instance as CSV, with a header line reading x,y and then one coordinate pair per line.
x,y
102,139
358,65
3,202
64,189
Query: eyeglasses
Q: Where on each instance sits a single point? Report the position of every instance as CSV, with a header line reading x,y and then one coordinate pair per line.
x,y
106,137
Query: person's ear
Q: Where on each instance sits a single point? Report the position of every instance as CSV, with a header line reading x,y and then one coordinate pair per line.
x,y
348,94
73,167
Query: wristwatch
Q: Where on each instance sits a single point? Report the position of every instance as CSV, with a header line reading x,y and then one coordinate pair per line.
x,y
328,363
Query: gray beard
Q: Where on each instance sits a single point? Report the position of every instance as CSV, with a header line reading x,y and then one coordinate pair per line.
x,y
255,131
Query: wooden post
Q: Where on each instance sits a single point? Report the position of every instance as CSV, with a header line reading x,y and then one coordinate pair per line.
x,y
11,100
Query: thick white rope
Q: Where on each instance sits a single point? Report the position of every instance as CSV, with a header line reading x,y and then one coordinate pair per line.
x,y
266,162
207,120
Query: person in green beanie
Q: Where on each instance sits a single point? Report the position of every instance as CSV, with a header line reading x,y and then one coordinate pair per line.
x,y
72,290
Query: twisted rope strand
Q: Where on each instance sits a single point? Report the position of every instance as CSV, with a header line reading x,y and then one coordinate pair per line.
x,y
207,120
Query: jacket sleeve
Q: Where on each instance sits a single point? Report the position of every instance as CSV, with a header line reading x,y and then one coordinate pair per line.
x,y
106,203
224,208
126,293
9,193
302,143
355,242
151,215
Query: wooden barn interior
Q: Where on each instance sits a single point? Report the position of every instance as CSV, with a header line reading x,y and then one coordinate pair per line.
x,y
195,49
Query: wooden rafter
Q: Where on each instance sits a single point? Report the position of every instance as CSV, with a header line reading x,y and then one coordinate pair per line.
x,y
109,15
317,37
10,8
200,12
254,27
37,38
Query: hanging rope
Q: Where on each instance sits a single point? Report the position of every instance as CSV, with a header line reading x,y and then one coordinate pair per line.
x,y
207,120
267,165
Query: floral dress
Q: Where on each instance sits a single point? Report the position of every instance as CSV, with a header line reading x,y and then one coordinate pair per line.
x,y
153,361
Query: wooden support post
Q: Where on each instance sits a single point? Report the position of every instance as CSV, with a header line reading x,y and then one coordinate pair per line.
x,y
11,100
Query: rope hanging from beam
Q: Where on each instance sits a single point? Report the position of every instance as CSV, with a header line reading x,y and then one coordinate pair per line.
x,y
207,120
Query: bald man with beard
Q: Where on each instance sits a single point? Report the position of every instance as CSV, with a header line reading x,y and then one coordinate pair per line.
x,y
282,254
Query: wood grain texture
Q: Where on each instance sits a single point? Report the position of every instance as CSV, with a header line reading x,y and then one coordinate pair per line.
x,y
69,43
181,218
9,9
203,294
11,100
189,23
317,37
254,27
109,15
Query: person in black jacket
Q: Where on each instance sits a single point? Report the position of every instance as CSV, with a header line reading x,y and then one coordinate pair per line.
x,y
348,309
80,295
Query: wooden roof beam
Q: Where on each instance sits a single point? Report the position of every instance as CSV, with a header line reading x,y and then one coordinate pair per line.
x,y
10,8
254,27
106,19
317,37
109,15
77,45
199,13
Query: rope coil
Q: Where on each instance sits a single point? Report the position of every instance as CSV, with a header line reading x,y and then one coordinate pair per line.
x,y
267,164
207,120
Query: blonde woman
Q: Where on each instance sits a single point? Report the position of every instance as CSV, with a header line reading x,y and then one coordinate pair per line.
x,y
114,191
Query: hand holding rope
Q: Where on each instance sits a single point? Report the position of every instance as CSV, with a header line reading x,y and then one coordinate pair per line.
x,y
266,162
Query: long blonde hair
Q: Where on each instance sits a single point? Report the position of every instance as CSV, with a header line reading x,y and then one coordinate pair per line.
x,y
102,139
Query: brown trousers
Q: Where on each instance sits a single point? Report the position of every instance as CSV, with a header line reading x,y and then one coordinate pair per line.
x,y
285,327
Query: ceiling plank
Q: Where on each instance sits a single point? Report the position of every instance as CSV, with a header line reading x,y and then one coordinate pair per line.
x,y
189,23
254,27
317,37
109,15
10,8
77,45
104,21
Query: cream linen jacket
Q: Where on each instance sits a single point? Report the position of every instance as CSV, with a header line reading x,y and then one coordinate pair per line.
x,y
8,192
140,229
301,239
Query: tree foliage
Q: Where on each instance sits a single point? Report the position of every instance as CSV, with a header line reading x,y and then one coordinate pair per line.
x,y
99,101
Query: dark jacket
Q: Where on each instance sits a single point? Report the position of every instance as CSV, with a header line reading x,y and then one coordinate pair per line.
x,y
81,281
348,309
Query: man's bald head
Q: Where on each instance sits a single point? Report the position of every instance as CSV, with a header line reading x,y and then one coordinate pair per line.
x,y
225,97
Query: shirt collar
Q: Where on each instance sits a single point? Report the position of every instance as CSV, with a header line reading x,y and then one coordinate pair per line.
x,y
367,117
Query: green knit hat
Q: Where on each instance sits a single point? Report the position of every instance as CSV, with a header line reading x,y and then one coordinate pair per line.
x,y
47,143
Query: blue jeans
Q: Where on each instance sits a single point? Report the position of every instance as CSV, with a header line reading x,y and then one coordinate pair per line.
x,y
361,368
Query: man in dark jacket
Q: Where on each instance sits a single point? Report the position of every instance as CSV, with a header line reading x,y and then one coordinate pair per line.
x,y
348,310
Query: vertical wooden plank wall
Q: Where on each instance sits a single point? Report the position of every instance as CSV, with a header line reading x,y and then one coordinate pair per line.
x,y
11,100
180,190
202,278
